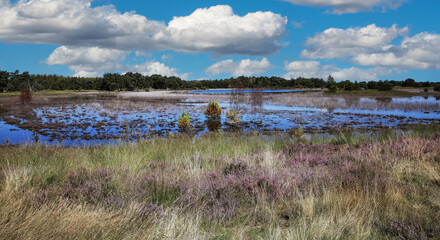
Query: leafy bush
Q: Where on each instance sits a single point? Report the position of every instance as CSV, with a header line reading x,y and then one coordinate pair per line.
x,y
437,88
184,120
233,116
213,109
425,89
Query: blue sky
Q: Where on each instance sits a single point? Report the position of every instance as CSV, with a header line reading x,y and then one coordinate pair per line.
x,y
349,39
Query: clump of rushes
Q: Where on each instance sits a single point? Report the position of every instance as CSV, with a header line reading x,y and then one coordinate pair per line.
x,y
184,120
213,109
233,116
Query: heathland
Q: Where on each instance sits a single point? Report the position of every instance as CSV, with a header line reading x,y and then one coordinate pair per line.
x,y
225,186
301,165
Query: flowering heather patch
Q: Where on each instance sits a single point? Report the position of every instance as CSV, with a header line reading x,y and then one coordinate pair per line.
x,y
300,148
210,188
405,229
235,168
415,148
153,187
95,187
311,159
221,194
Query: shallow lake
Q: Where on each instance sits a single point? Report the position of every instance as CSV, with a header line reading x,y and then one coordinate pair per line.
x,y
229,91
91,119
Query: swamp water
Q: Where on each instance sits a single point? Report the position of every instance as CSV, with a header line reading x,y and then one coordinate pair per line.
x,y
85,120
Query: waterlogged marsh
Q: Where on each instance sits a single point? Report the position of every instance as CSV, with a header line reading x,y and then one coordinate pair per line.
x,y
108,118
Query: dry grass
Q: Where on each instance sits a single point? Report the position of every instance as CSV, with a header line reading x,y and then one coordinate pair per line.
x,y
224,187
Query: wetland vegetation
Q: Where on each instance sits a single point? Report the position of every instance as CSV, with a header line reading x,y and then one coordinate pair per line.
x,y
222,164
382,185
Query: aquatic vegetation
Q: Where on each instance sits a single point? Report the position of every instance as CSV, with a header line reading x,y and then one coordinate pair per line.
x,y
299,132
213,109
233,116
184,121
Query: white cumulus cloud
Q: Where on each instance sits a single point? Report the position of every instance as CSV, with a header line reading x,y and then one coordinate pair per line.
x,y
311,69
94,61
4,2
83,55
152,67
336,43
421,51
307,66
217,29
350,6
245,67
371,46
96,39
76,23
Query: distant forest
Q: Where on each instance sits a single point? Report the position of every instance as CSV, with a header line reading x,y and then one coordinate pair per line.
x,y
15,81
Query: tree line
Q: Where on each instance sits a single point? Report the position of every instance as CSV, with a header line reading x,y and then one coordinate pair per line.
x,y
16,81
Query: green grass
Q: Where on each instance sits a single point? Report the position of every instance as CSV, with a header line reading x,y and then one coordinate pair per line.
x,y
347,185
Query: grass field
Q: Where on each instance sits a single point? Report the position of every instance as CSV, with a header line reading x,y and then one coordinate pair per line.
x,y
346,186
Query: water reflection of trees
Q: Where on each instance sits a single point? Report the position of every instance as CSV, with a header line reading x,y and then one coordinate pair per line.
x,y
383,101
330,104
213,124
352,101
256,97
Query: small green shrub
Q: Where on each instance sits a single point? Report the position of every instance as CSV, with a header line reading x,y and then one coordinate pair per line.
x,y
299,132
171,135
233,116
425,89
437,88
213,109
184,120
